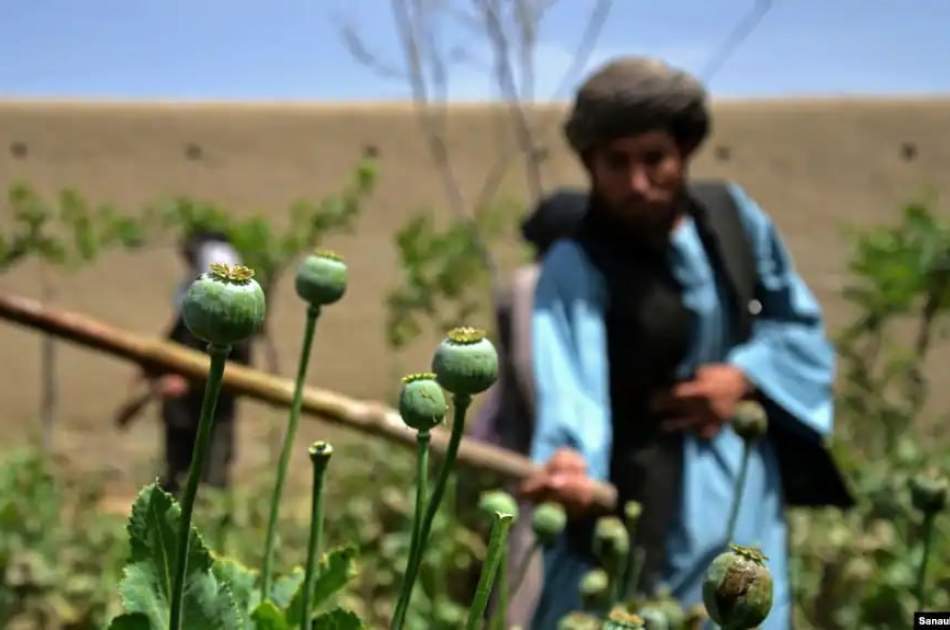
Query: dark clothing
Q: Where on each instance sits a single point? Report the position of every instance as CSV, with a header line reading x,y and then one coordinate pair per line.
x,y
180,417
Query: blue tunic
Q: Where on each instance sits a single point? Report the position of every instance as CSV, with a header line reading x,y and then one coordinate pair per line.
x,y
787,357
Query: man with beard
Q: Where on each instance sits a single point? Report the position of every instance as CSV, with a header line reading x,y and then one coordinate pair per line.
x,y
673,302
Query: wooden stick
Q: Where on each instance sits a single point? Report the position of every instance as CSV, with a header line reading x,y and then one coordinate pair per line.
x,y
372,418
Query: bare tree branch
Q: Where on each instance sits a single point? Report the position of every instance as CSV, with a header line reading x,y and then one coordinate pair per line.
x,y
410,42
585,47
509,89
741,31
358,49
410,38
526,17
511,28
595,24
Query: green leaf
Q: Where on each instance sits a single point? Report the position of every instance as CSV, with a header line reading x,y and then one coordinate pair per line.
x,y
267,616
336,569
338,619
134,621
147,582
282,593
242,582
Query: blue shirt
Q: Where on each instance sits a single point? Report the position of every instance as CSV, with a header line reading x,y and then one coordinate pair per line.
x,y
787,357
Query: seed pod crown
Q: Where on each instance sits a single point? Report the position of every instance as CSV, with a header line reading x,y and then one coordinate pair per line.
x,y
224,305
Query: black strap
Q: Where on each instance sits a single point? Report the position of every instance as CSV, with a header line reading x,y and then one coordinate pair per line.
x,y
728,246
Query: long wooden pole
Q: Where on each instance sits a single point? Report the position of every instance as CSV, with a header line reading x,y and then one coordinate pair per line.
x,y
373,418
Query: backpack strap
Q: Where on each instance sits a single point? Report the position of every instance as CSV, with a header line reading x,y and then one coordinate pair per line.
x,y
728,245
810,476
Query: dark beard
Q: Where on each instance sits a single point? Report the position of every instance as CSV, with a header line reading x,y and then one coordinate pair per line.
x,y
647,230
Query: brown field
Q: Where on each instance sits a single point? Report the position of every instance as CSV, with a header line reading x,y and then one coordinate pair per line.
x,y
814,165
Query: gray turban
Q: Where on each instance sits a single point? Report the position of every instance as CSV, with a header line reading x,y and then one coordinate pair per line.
x,y
635,94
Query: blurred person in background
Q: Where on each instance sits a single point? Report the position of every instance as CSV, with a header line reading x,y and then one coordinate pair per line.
x,y
674,301
180,396
506,419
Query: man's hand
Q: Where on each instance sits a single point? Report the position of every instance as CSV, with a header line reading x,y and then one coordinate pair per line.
x,y
563,479
172,386
705,403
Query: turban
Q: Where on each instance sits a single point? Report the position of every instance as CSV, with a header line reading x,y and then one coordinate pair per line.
x,y
635,94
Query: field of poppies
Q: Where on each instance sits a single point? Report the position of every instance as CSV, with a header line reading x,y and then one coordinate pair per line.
x,y
393,540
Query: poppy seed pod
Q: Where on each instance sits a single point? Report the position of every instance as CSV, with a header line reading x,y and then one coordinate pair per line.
x,y
737,588
548,521
498,502
225,305
593,588
466,362
928,492
421,401
694,617
653,618
619,619
321,278
751,421
320,452
611,542
676,617
632,512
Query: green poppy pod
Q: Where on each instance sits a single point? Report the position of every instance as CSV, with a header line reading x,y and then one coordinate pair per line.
x,y
653,618
466,362
593,588
498,502
321,278
928,492
632,512
737,588
676,617
751,421
224,305
421,401
320,452
548,521
611,542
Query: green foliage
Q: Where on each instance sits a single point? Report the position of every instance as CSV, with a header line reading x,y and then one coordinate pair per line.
x,y
219,592
242,582
263,247
59,558
336,569
445,278
849,570
147,582
901,282
337,619
858,569
268,616
67,232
